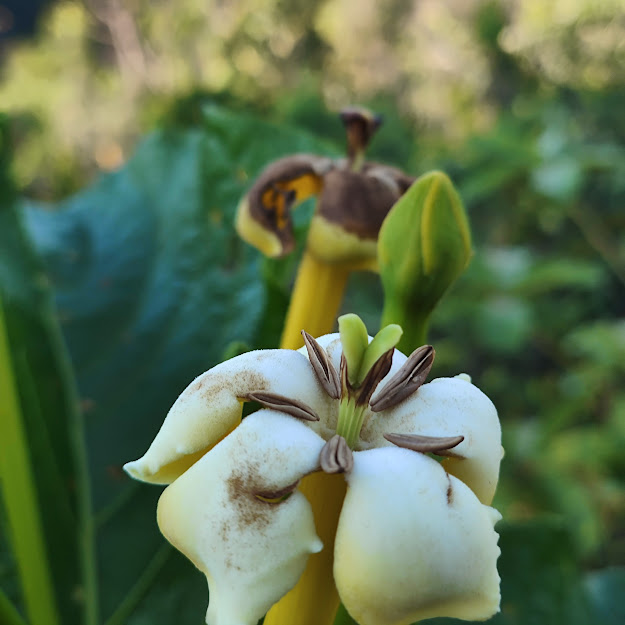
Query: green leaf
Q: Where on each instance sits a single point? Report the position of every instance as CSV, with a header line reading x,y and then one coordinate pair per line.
x,y
343,617
504,324
8,614
561,273
152,287
606,589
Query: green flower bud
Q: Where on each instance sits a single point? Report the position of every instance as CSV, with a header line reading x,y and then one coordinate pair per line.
x,y
424,245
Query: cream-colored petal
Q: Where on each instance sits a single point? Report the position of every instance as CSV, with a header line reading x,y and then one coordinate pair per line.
x,y
413,543
449,407
210,407
251,551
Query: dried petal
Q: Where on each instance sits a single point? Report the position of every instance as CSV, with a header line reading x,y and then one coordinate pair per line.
x,y
264,214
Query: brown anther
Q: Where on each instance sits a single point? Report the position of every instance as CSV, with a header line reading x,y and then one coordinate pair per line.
x,y
322,366
343,379
439,445
407,380
375,375
278,495
336,456
284,404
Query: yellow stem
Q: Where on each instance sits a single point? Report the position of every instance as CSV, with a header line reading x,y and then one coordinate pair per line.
x,y
314,600
315,301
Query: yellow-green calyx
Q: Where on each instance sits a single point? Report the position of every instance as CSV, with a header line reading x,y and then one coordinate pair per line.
x,y
363,366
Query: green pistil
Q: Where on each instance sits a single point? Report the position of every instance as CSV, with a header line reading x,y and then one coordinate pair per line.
x,y
355,340
350,421
363,366
384,340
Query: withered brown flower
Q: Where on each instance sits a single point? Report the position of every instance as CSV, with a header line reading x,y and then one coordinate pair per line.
x,y
354,198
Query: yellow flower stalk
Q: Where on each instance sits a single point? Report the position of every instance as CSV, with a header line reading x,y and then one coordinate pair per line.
x,y
316,299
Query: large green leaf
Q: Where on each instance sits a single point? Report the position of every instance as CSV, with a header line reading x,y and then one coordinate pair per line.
x,y
606,589
152,286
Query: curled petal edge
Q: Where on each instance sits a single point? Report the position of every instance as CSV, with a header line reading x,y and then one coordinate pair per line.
x,y
210,408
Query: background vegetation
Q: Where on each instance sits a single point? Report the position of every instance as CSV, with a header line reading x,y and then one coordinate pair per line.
x,y
183,104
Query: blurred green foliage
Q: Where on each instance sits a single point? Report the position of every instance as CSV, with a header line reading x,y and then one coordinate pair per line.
x,y
151,286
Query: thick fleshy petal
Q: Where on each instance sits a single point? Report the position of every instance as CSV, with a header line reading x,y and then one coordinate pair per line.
x,y
413,543
210,407
449,407
228,515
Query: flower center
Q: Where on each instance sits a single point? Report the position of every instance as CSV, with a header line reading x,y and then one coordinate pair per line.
x,y
363,366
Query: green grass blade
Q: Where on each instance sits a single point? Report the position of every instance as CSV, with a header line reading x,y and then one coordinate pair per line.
x,y
8,614
20,497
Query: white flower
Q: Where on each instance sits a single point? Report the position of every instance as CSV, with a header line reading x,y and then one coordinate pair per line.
x,y
415,538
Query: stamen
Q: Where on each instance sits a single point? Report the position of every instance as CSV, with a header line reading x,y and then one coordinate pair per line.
x,y
336,456
439,445
322,366
277,496
407,380
292,407
375,375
